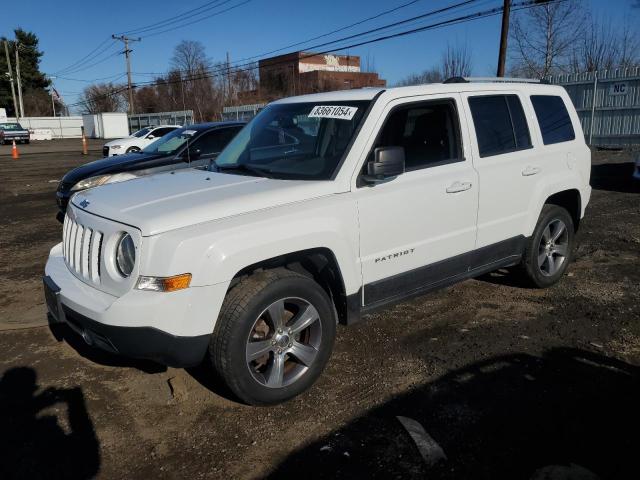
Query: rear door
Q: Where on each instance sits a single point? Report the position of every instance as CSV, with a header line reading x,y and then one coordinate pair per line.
x,y
414,229
508,164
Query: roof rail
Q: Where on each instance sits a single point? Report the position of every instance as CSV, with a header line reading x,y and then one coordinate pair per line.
x,y
493,80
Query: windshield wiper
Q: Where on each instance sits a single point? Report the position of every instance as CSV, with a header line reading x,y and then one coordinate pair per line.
x,y
243,167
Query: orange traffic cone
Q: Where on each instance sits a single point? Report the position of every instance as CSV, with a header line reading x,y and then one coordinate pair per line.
x,y
84,145
14,151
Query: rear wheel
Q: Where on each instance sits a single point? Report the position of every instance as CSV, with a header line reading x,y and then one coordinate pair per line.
x,y
273,337
549,250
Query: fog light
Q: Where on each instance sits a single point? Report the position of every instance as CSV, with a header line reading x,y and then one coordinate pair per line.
x,y
164,284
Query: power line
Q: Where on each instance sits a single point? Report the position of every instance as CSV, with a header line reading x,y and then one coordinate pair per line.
x,y
68,67
454,21
384,27
114,77
341,29
163,23
233,7
87,66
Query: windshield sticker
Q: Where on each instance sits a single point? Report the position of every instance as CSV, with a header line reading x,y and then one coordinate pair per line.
x,y
191,133
333,111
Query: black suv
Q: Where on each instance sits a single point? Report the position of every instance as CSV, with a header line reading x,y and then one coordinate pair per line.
x,y
191,146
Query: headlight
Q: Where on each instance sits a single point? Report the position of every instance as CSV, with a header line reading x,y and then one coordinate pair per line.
x,y
125,255
101,180
115,147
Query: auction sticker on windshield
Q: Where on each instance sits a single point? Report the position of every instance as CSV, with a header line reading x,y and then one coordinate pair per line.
x,y
333,111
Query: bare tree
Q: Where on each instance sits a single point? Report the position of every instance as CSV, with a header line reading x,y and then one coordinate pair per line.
x,y
369,64
195,68
543,38
456,61
597,49
629,46
603,47
432,75
103,97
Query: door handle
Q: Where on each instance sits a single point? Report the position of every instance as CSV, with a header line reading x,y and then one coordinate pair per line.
x,y
459,187
528,171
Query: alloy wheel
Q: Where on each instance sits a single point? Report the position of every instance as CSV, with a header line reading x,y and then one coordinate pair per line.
x,y
283,342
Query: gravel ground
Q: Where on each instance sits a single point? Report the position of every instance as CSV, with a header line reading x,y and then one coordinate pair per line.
x,y
510,382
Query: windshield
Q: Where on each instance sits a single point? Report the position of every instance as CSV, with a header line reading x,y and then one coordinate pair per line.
x,y
11,126
171,142
302,141
142,132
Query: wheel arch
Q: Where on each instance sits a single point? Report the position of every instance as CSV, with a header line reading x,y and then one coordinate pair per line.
x,y
571,201
318,263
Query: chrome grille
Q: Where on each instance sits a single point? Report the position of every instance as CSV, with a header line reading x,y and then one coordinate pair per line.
x,y
82,247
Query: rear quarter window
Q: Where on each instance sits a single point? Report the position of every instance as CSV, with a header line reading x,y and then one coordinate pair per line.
x,y
553,118
500,123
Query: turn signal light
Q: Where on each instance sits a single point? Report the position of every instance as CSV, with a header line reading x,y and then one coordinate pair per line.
x,y
164,284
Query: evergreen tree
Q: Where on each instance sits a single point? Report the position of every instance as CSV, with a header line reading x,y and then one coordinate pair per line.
x,y
36,98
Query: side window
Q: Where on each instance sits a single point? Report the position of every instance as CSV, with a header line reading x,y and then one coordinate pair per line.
x,y
554,120
214,141
428,131
161,132
500,123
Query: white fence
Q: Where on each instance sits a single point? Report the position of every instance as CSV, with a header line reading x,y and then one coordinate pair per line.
x,y
61,127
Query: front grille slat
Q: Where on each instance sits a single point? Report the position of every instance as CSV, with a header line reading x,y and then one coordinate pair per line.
x,y
84,253
95,256
77,248
81,248
72,244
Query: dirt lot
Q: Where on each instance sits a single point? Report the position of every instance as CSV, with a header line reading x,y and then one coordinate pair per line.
x,y
512,383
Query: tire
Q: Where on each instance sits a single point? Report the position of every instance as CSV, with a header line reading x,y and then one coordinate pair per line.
x,y
247,318
549,250
132,149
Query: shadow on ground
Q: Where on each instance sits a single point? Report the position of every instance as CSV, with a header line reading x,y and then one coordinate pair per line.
x,y
35,441
570,414
614,177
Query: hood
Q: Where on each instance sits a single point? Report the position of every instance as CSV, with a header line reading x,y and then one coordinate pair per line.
x,y
118,163
168,201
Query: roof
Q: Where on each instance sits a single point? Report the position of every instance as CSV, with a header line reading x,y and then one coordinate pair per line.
x,y
425,89
208,125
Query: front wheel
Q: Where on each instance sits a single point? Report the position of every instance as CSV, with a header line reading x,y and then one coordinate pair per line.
x,y
274,336
549,250
132,149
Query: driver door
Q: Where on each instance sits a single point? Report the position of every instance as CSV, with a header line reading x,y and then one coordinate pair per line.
x,y
416,229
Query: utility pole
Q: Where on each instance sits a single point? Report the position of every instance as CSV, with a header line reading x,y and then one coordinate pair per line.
x,y
504,35
127,52
13,90
228,80
19,81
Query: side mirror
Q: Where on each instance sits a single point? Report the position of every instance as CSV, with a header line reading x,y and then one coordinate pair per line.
x,y
387,162
150,137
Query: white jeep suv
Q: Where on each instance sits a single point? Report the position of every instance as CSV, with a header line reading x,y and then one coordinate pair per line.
x,y
322,209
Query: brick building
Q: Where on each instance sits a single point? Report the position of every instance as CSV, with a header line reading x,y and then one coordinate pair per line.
x,y
304,72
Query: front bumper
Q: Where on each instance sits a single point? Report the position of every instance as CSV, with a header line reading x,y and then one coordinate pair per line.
x,y
17,138
170,328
